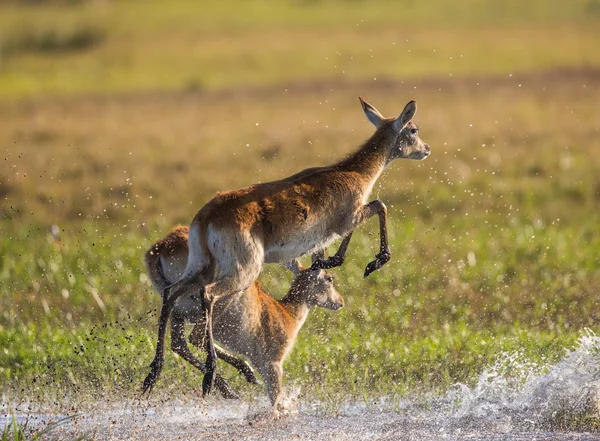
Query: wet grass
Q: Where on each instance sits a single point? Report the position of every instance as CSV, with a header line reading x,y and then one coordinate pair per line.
x,y
493,238
585,420
15,431
79,320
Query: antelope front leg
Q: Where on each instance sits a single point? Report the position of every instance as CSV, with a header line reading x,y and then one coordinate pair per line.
x,y
241,365
273,375
377,207
337,259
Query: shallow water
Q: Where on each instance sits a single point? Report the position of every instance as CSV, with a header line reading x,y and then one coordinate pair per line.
x,y
512,400
226,421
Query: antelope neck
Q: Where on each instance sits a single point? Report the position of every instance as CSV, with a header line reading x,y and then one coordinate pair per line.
x,y
295,303
372,157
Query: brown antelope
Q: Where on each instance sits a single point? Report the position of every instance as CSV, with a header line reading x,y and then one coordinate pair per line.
x,y
250,322
238,231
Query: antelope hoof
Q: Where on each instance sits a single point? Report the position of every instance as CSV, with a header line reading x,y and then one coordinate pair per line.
x,y
317,264
380,260
151,378
331,262
225,389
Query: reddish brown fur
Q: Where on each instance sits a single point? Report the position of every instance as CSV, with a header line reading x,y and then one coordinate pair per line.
x,y
272,209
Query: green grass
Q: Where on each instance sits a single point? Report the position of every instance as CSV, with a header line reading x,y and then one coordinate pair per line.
x,y
427,320
487,234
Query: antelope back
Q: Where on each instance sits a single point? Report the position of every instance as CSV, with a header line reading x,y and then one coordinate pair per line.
x,y
166,260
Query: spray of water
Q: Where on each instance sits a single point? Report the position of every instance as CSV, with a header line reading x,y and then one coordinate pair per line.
x,y
517,394
512,399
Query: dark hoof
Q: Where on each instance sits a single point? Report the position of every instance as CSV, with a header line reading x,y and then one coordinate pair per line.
x,y
317,265
331,262
372,266
152,377
226,390
380,260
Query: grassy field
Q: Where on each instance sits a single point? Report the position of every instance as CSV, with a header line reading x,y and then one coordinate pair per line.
x,y
120,119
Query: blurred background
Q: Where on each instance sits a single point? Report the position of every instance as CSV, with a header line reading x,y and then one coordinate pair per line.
x,y
121,118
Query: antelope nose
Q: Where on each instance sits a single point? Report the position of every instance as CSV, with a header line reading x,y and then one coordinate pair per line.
x,y
427,148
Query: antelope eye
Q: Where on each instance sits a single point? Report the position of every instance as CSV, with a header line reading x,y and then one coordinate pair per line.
x,y
414,131
329,279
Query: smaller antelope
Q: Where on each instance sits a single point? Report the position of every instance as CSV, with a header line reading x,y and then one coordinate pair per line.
x,y
251,322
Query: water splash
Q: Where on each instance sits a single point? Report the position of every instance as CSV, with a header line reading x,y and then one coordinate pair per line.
x,y
517,394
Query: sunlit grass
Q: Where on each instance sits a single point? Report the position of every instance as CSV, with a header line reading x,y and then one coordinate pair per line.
x,y
435,315
141,46
500,145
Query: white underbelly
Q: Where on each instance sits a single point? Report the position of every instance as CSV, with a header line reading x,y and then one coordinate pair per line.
x,y
298,245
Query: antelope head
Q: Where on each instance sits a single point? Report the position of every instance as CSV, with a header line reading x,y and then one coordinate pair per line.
x,y
315,286
407,143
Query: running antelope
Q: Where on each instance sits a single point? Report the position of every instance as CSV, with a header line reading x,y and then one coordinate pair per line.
x,y
251,322
238,231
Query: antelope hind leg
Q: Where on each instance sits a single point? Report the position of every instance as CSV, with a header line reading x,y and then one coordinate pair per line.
x,y
176,291
180,347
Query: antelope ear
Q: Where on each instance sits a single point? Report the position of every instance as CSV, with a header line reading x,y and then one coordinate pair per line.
x,y
318,255
293,266
407,114
372,113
